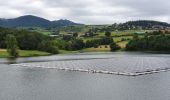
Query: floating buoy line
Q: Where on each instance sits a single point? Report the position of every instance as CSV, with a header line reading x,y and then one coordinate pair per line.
x,y
129,66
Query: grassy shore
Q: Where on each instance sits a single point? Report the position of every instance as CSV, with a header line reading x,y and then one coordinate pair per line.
x,y
68,52
24,53
32,53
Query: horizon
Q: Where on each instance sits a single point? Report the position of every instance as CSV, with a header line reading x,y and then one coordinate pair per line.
x,y
83,23
89,11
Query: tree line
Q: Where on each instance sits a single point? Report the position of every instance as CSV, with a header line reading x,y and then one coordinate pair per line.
x,y
159,42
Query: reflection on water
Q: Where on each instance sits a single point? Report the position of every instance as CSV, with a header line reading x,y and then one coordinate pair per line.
x,y
11,60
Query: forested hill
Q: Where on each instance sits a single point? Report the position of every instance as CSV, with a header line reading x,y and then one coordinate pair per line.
x,y
34,21
146,24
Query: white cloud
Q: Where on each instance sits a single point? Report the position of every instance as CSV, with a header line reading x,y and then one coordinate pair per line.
x,y
88,11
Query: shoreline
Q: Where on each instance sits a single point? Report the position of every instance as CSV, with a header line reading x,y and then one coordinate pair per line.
x,y
35,53
24,53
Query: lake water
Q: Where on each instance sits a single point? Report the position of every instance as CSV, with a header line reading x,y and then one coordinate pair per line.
x,y
31,83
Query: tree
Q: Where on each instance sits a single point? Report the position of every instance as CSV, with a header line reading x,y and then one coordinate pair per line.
x,y
12,46
57,32
108,34
135,36
48,46
75,44
114,46
75,35
106,40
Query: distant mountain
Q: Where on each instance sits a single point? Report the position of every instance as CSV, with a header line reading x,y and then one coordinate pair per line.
x,y
64,22
34,21
146,24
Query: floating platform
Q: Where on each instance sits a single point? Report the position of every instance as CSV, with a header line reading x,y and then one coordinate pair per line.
x,y
129,66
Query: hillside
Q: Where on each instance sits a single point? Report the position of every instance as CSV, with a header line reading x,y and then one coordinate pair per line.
x,y
146,24
34,21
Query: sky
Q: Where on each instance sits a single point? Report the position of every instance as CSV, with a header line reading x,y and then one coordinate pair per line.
x,y
89,11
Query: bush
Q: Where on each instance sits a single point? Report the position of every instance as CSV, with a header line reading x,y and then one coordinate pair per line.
x,y
106,40
96,46
114,46
107,34
123,39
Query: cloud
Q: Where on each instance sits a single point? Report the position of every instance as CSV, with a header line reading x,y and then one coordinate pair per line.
x,y
88,11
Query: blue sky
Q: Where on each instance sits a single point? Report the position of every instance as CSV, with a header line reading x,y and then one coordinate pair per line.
x,y
88,11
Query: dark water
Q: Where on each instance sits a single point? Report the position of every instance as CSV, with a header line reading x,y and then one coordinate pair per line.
x,y
18,83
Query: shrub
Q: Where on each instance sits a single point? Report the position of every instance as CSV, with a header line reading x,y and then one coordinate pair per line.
x,y
114,46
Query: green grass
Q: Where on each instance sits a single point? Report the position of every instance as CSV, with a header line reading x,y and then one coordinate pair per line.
x,y
118,39
25,53
42,30
3,54
122,44
37,29
89,38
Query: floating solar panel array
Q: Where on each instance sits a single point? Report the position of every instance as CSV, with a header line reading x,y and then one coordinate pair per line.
x,y
130,66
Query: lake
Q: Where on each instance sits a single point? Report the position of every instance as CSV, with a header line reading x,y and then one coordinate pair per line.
x,y
32,83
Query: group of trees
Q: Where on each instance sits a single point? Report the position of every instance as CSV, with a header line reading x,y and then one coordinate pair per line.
x,y
13,40
27,40
48,46
150,43
100,41
72,44
107,40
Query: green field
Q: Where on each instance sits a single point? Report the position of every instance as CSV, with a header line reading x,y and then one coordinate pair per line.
x,y
37,29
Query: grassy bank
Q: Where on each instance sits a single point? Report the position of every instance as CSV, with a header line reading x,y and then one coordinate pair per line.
x,y
67,52
24,53
32,53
